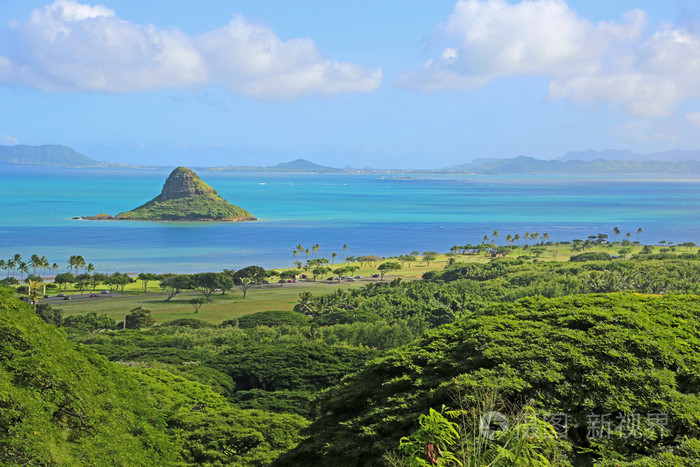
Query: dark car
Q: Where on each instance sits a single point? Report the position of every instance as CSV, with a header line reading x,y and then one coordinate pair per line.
x,y
94,295
61,295
66,298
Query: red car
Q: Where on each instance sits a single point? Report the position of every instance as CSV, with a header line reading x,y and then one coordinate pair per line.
x,y
93,295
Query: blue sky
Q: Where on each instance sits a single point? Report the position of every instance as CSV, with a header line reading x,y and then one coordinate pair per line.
x,y
406,84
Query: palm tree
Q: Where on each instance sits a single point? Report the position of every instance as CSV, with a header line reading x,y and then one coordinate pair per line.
x,y
23,267
545,237
295,253
55,267
44,265
11,264
535,236
527,236
345,248
628,236
35,262
334,255
639,230
486,238
89,268
517,239
3,265
16,259
616,232
496,234
307,252
77,262
509,239
34,294
315,249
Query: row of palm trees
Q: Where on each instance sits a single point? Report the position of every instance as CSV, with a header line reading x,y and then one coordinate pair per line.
x,y
17,265
628,235
530,238
533,237
313,251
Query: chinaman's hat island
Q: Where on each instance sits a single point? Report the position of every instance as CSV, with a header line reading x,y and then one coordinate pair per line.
x,y
185,197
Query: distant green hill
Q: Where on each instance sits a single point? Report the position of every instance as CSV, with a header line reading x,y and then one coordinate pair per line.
x,y
302,165
297,165
185,197
47,155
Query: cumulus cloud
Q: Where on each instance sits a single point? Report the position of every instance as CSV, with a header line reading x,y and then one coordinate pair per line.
x,y
610,61
7,139
74,47
252,60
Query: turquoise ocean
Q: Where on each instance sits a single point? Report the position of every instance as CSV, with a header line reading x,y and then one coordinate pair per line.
x,y
377,214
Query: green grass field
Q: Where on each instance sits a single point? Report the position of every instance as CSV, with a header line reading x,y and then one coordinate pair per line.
x,y
272,297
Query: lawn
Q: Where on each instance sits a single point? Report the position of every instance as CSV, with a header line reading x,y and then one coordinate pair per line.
x,y
270,297
222,307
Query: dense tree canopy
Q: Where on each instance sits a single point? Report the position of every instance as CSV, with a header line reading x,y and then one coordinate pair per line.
x,y
579,355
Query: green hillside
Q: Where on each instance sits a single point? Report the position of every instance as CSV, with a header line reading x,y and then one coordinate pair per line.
x,y
62,404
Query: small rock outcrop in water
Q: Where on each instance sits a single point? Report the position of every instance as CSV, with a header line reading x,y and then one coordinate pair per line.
x,y
185,197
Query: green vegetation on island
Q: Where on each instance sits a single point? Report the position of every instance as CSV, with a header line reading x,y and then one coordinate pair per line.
x,y
185,197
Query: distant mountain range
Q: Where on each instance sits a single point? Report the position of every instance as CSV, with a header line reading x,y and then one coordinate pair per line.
x,y
524,164
676,162
674,155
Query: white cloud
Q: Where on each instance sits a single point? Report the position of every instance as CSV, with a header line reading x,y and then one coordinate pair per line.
x,y
588,62
252,60
693,119
7,139
68,46
648,80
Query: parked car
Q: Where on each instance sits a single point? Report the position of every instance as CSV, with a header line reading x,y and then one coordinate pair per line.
x,y
61,295
358,277
66,298
350,279
375,275
93,295
47,296
105,292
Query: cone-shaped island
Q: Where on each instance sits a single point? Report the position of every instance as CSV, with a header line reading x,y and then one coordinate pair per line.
x,y
185,197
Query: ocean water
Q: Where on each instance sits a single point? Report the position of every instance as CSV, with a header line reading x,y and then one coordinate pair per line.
x,y
373,214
